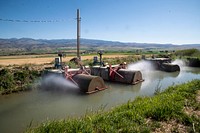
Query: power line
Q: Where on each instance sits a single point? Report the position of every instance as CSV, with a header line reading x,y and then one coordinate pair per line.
x,y
33,21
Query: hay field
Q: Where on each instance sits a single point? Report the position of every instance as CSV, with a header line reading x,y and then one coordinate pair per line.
x,y
42,59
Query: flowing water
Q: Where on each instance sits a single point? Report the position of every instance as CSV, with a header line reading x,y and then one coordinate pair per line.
x,y
18,111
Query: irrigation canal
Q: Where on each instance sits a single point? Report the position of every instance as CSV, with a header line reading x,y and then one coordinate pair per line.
x,y
17,111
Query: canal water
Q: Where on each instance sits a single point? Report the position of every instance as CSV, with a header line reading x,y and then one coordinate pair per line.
x,y
18,111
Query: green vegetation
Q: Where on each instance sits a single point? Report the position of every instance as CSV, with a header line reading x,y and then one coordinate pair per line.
x,y
17,79
192,56
173,110
117,60
188,53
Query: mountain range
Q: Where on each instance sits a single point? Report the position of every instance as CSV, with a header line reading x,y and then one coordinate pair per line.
x,y
31,45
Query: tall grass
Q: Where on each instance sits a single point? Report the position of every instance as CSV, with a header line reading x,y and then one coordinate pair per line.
x,y
188,53
134,116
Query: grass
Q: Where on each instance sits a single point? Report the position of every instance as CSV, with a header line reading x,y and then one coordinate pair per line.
x,y
188,53
110,60
147,114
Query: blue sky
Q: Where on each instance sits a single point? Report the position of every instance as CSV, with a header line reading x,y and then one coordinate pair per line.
x,y
145,21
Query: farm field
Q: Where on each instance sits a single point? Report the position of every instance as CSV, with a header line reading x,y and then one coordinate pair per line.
x,y
44,59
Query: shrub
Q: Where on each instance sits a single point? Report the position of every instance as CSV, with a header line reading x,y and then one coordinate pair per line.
x,y
6,79
17,79
188,52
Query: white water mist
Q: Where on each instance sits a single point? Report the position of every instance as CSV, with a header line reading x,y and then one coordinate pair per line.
x,y
179,62
57,83
141,66
146,68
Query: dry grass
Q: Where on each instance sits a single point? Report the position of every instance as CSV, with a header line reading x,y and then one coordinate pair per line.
x,y
190,111
41,59
171,126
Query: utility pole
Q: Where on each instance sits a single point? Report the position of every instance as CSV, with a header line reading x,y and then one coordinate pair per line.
x,y
78,33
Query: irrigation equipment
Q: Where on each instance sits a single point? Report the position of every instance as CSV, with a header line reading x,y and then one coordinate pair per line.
x,y
164,64
117,73
87,83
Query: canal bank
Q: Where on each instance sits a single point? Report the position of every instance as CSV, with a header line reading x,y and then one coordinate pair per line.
x,y
19,110
175,109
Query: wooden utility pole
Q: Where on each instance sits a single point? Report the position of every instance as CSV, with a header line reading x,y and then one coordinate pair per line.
x,y
78,33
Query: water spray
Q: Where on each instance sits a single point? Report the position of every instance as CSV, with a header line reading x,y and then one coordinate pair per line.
x,y
56,83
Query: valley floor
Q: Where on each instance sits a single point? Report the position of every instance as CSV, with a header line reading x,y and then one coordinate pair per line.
x,y
44,59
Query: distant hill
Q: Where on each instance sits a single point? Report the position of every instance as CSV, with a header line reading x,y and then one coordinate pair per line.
x,y
14,45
